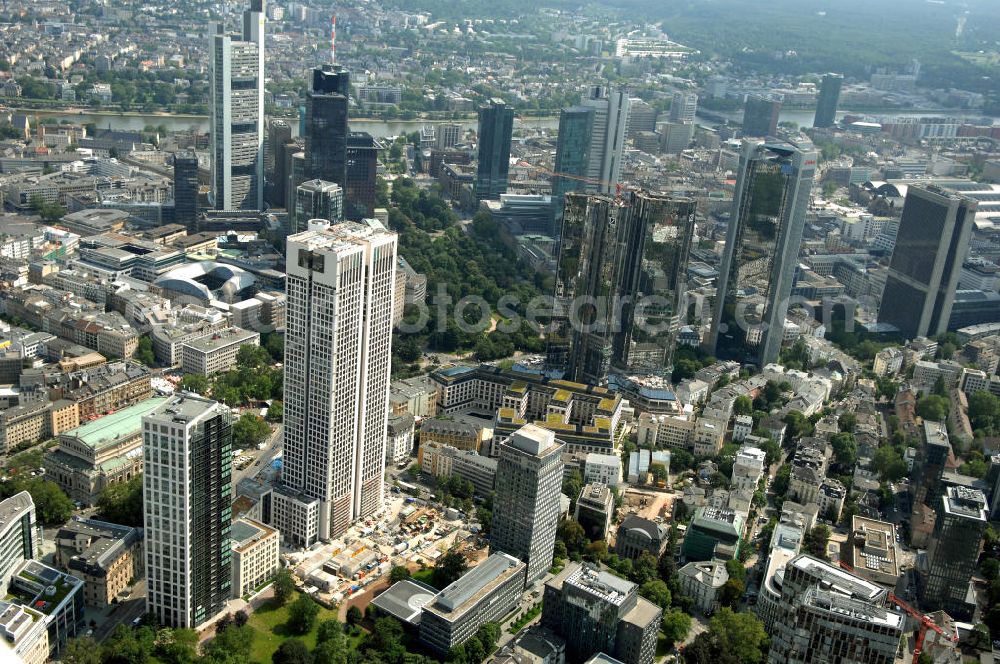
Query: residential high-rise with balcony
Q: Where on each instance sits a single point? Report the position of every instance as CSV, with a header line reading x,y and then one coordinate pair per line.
x,y
187,502
337,340
237,113
762,248
683,107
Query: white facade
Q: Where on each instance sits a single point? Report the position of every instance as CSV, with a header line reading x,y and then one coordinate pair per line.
x,y
18,535
237,113
748,468
337,362
602,469
742,427
255,555
187,490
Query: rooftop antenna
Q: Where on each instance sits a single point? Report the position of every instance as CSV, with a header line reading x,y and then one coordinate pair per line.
x,y
333,39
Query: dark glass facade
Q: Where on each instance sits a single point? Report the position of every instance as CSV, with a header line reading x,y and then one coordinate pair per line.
x,y
496,124
186,188
326,125
211,502
826,104
760,116
620,284
362,169
931,245
762,246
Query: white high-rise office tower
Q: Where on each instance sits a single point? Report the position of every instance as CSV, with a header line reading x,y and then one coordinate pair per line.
x,y
187,501
526,512
607,142
683,107
337,361
237,113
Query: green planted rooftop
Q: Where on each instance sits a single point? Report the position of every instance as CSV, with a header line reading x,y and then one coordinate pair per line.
x,y
117,425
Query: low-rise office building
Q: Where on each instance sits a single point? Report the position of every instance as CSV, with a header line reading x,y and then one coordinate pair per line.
x,y
596,611
255,555
216,352
486,593
714,533
437,460
24,631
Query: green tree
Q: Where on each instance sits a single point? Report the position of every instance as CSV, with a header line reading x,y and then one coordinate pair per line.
x,y
798,425
250,430
144,352
82,650
354,616
448,570
816,540
732,591
398,573
232,645
195,383
52,506
847,422
657,592
644,568
284,585
274,344
292,651
302,614
743,405
572,534
121,502
252,357
276,411
739,634
933,407
676,625
845,449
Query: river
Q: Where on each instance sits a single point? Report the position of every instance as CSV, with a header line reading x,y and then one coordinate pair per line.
x,y
377,128
385,129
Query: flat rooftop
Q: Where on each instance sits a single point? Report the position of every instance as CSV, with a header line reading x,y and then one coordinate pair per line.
x,y
220,339
475,584
115,426
405,600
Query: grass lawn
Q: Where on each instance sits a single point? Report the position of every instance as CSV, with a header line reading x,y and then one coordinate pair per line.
x,y
269,622
424,576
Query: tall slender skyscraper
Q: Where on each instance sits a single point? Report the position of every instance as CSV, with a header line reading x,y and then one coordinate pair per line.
x,y
621,282
829,97
326,125
362,175
316,199
526,508
338,337
762,248
954,551
496,124
683,107
591,145
931,245
237,113
279,134
186,188
760,115
187,500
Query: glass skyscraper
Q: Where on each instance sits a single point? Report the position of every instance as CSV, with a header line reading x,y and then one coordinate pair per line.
x,y
829,97
496,125
326,125
931,245
620,284
762,248
760,115
237,113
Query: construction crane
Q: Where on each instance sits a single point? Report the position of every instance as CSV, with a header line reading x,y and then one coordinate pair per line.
x,y
924,621
619,187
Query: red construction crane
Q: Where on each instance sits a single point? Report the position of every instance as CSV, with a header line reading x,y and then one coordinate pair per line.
x,y
619,187
923,620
